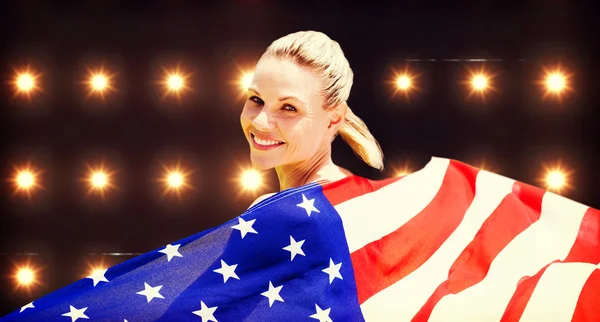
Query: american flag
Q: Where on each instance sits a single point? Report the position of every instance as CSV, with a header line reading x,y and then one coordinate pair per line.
x,y
449,242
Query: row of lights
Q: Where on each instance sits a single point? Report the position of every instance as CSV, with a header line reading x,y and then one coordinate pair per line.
x,y
26,275
555,81
176,82
26,179
175,179
26,82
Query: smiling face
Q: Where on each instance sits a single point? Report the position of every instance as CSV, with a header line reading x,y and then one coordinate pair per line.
x,y
283,118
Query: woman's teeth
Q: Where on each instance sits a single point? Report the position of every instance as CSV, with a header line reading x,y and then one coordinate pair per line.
x,y
265,142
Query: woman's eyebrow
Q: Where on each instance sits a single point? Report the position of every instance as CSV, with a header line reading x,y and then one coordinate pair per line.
x,y
281,98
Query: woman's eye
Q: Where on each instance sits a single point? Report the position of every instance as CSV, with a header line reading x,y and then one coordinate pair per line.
x,y
256,100
289,108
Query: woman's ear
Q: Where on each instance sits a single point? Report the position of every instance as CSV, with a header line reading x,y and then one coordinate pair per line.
x,y
337,116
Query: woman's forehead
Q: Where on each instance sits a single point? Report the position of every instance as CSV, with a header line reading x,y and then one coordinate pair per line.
x,y
284,77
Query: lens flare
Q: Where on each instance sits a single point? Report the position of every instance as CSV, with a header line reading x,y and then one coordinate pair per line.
x,y
556,178
243,80
175,82
99,82
26,179
480,82
401,171
403,82
26,82
99,179
251,179
175,179
246,80
555,81
26,277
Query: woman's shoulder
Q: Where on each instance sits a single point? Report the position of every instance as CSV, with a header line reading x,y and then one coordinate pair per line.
x,y
261,198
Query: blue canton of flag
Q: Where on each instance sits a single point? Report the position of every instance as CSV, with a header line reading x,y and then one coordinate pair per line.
x,y
284,259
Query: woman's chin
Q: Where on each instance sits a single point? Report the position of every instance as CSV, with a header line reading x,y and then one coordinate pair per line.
x,y
261,163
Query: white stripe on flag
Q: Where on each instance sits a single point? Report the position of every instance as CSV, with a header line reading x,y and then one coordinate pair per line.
x,y
403,299
556,294
548,239
371,216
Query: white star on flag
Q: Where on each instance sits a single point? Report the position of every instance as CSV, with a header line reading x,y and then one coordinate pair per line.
x,y
273,294
171,251
245,227
151,292
322,315
333,270
227,271
206,313
98,276
308,205
294,248
27,306
75,314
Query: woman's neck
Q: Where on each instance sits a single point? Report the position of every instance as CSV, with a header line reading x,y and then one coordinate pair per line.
x,y
320,167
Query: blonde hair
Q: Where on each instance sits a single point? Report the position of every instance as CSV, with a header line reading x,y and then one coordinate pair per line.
x,y
316,50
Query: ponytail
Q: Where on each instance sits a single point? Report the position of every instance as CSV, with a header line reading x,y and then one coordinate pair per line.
x,y
356,134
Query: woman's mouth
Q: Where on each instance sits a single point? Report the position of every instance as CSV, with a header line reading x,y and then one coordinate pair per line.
x,y
263,144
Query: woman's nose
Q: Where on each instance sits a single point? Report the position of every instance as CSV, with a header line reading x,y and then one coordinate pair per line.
x,y
262,122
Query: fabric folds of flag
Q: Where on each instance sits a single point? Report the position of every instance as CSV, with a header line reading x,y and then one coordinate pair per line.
x,y
449,242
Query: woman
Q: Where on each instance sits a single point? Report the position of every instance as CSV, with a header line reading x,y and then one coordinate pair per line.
x,y
297,105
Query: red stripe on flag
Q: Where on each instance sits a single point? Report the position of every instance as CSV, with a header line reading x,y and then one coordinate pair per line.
x,y
383,262
588,305
585,249
587,246
515,308
515,213
353,186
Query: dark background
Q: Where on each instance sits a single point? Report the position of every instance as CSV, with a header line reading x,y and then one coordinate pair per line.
x,y
514,130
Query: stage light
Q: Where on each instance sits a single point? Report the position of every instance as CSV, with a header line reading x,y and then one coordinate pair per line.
x,y
401,171
246,80
175,179
25,179
479,81
96,270
175,82
242,81
403,82
99,179
556,82
485,165
99,82
251,179
25,276
26,82
556,178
